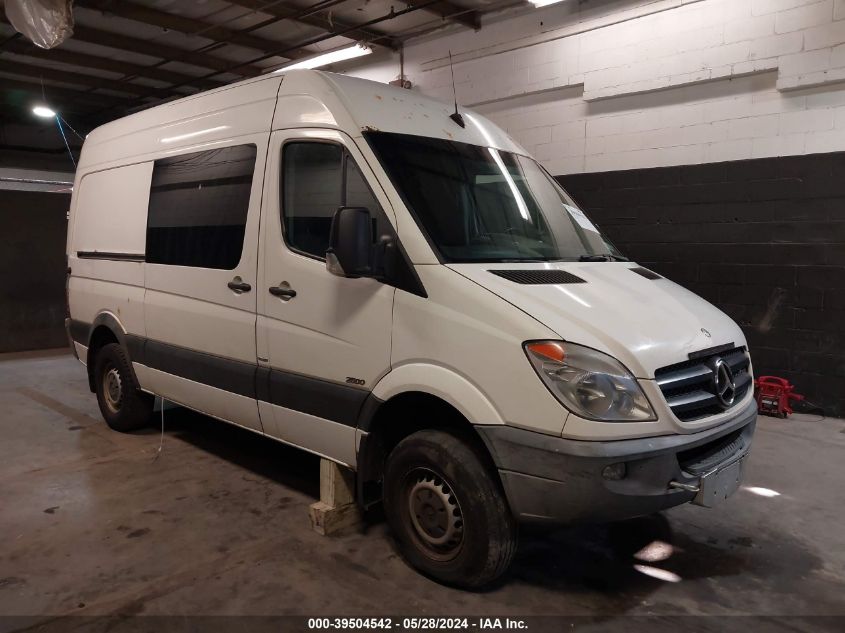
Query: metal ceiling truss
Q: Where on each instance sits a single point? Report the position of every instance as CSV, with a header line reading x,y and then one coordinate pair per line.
x,y
77,101
20,46
321,20
188,26
451,12
123,95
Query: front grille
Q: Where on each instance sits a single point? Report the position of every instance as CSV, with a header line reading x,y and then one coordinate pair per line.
x,y
689,387
537,277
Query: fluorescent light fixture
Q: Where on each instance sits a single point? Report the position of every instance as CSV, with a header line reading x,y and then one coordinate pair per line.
x,y
339,55
43,111
543,3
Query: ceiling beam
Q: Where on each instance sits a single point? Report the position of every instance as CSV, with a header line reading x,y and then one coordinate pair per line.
x,y
21,114
22,47
75,100
64,76
321,21
451,12
314,40
189,26
15,112
61,149
145,47
122,42
30,73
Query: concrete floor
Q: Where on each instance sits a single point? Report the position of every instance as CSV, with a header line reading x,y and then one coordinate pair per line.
x,y
92,523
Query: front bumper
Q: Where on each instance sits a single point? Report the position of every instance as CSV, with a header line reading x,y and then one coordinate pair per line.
x,y
560,480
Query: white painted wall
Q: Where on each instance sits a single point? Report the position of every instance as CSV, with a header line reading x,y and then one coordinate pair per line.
x,y
620,84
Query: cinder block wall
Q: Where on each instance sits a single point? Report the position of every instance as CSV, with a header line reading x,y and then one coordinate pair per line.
x,y
762,239
622,84
699,133
33,226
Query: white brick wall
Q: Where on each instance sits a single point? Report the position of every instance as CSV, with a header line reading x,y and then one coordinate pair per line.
x,y
648,83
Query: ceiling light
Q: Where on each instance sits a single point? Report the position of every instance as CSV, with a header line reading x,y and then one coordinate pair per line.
x,y
543,3
339,55
43,111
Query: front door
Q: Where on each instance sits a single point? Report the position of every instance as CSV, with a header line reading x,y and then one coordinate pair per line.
x,y
202,261
323,340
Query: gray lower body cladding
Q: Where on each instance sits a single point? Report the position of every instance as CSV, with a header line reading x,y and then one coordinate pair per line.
x,y
551,479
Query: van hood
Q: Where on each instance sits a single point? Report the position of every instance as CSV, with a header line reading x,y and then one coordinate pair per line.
x,y
644,323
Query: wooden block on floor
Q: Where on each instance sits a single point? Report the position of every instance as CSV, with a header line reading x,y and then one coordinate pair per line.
x,y
336,512
334,521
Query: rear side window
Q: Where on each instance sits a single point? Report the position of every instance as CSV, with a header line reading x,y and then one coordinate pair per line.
x,y
198,208
317,179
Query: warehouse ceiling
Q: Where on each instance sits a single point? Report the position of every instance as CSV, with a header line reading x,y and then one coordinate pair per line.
x,y
129,55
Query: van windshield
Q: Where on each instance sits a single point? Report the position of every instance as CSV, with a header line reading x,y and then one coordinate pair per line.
x,y
480,204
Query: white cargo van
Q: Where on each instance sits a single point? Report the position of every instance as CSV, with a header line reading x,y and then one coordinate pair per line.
x,y
355,270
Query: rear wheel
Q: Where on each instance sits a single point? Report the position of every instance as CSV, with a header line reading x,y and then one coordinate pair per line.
x,y
447,510
123,405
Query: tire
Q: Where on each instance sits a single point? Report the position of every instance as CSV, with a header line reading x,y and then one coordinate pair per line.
x,y
447,510
123,405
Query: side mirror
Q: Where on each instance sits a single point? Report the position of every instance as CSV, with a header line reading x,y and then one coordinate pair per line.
x,y
350,251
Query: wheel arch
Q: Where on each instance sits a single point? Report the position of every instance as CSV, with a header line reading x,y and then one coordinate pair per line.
x,y
443,383
383,423
105,329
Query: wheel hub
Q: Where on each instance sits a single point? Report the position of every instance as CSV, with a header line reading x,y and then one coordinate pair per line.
x,y
435,514
112,388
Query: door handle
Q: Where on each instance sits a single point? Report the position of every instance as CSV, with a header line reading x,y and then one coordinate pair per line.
x,y
239,285
284,293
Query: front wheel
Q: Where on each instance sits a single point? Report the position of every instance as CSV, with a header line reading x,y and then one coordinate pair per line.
x,y
123,405
447,510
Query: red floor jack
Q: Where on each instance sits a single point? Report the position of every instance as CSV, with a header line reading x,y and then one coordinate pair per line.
x,y
774,396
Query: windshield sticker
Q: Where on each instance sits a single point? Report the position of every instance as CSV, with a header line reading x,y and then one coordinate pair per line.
x,y
582,220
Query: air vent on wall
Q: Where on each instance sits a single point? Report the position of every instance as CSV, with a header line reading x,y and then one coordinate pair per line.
x,y
645,272
537,277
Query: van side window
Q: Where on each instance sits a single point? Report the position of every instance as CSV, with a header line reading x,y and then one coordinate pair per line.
x,y
317,179
198,208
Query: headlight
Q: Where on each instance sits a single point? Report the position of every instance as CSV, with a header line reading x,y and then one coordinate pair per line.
x,y
589,383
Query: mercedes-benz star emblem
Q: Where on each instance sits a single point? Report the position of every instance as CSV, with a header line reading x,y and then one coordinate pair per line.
x,y
723,383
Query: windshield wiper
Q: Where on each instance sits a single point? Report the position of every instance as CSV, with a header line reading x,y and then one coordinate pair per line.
x,y
606,257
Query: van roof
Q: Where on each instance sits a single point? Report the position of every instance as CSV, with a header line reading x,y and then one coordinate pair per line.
x,y
350,104
377,106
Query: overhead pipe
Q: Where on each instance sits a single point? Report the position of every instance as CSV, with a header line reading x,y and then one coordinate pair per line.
x,y
280,52
219,43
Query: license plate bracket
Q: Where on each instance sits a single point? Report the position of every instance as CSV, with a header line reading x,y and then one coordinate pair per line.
x,y
718,485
